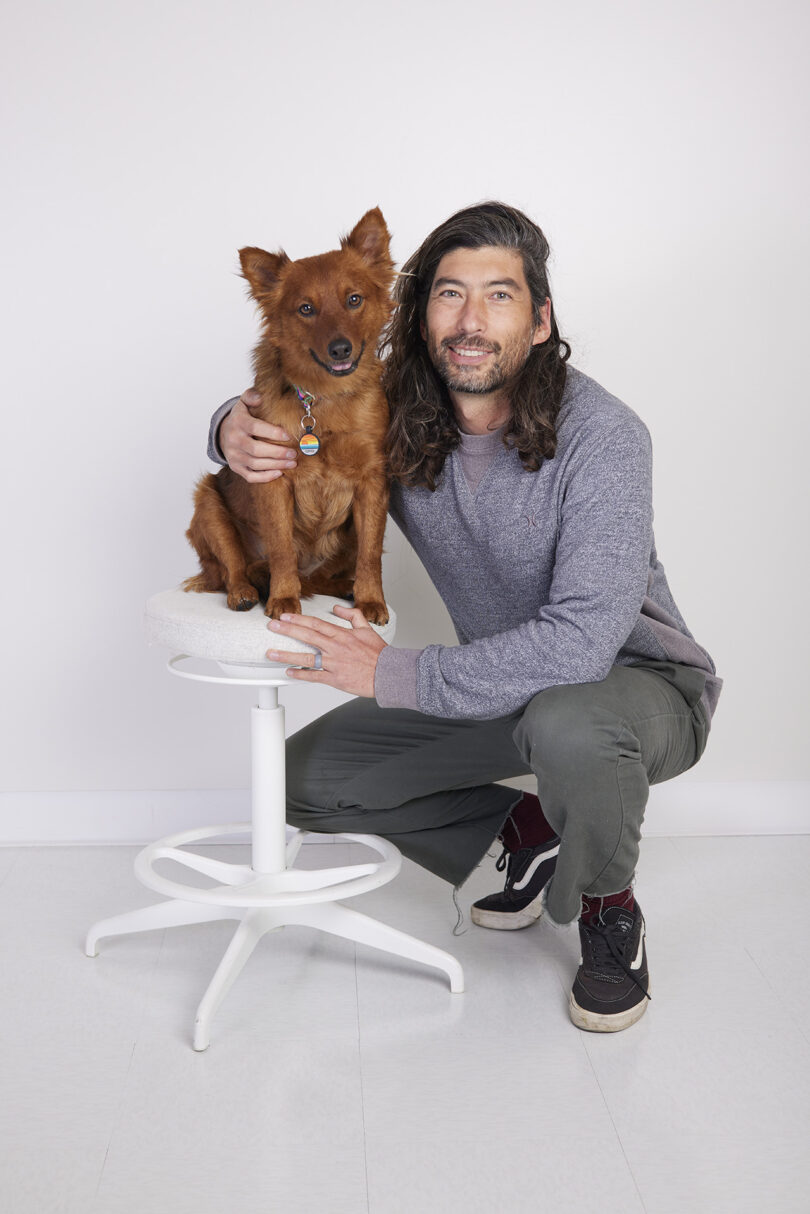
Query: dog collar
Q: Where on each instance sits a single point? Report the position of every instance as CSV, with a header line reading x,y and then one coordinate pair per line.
x,y
308,443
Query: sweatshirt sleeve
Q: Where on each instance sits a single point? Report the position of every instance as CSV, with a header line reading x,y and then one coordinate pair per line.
x,y
214,450
601,566
395,678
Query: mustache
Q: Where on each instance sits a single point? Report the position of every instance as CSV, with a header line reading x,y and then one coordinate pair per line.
x,y
470,344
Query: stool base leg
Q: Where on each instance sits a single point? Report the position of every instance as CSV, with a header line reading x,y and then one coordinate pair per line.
x,y
248,934
330,917
174,913
342,920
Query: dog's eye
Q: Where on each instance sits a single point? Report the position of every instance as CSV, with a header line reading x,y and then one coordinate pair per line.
x,y
354,301
306,309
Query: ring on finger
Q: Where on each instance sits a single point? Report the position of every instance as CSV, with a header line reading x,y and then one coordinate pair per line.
x,y
317,661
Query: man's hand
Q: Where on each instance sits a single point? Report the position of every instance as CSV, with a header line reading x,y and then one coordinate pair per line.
x,y
250,445
347,658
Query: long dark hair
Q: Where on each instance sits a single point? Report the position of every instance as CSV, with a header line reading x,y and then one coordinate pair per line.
x,y
423,428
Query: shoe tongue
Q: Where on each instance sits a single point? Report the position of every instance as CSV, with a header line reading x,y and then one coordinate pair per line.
x,y
619,918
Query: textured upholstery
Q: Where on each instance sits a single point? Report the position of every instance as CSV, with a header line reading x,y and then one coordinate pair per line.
x,y
202,626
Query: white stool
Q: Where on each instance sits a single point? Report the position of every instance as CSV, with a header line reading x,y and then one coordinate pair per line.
x,y
269,893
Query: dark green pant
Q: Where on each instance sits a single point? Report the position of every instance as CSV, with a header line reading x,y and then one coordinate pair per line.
x,y
426,783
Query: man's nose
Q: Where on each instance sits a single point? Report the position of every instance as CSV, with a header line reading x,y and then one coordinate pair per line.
x,y
472,318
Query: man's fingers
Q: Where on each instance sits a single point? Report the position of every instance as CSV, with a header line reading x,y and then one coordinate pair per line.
x,y
258,478
354,614
313,661
306,627
261,456
257,471
302,628
267,432
308,676
256,427
307,668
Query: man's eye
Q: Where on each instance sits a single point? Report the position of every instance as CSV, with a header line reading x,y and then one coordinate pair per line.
x,y
306,309
502,295
449,291
354,301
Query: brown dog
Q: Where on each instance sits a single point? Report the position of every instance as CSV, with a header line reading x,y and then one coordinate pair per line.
x,y
318,529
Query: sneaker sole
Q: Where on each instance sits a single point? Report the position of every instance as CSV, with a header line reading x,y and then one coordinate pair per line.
x,y
599,1022
508,921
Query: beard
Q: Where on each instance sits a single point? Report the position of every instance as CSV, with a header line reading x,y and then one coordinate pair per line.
x,y
507,361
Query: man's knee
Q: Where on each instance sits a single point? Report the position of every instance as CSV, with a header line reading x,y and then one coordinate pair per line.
x,y
567,727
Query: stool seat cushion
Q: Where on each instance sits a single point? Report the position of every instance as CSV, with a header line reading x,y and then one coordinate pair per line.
x,y
203,626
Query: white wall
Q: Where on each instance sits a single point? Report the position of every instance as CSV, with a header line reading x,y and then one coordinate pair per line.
x,y
661,147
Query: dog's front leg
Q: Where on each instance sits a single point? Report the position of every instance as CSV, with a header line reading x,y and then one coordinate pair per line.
x,y
370,507
275,508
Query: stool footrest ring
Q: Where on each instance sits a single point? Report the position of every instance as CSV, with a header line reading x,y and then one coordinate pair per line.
x,y
239,885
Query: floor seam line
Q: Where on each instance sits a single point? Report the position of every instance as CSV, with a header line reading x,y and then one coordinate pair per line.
x,y
360,1074
615,1127
138,1032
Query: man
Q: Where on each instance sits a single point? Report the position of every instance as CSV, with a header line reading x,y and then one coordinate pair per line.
x,y
525,489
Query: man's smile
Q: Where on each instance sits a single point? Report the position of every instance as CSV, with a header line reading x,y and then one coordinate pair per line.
x,y
466,356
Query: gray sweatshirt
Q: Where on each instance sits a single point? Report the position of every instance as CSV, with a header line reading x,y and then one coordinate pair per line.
x,y
550,577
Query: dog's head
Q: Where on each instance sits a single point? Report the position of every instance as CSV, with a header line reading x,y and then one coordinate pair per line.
x,y
324,314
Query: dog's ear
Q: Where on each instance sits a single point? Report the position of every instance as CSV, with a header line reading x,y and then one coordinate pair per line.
x,y
369,237
262,270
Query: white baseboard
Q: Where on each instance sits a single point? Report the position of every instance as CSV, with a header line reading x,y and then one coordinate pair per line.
x,y
779,807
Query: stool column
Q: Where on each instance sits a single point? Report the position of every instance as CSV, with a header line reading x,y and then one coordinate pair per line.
x,y
269,853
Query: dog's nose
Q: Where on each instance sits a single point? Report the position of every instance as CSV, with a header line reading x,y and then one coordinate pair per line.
x,y
339,349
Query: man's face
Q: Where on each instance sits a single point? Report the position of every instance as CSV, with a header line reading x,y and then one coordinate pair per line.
x,y
479,327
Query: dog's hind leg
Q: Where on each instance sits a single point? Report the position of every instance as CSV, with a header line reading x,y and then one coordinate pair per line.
x,y
214,535
334,577
258,574
202,583
339,586
211,578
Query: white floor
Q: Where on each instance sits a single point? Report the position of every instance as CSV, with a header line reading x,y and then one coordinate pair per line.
x,y
344,1081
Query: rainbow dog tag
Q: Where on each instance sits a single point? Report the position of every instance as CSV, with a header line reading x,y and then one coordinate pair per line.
x,y
308,443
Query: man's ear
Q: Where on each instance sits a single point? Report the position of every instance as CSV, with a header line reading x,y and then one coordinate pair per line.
x,y
542,331
370,237
262,270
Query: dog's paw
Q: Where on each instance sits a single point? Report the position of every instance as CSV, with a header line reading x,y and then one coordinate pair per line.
x,y
374,611
242,598
276,607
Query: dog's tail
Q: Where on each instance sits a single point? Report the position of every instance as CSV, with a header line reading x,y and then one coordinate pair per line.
x,y
199,584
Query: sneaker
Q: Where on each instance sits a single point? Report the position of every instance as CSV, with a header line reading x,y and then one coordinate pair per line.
x,y
520,903
612,987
